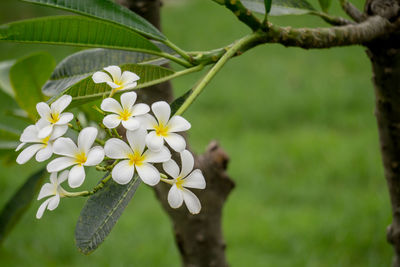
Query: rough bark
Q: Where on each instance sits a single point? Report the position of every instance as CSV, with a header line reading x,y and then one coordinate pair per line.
x,y
199,237
384,54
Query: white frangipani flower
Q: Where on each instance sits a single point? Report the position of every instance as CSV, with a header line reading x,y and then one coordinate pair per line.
x,y
52,116
53,189
124,113
42,147
132,157
81,155
165,128
185,178
117,81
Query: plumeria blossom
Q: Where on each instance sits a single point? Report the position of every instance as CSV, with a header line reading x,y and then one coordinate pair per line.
x,y
79,156
134,156
165,128
52,116
54,190
42,147
125,112
186,178
117,81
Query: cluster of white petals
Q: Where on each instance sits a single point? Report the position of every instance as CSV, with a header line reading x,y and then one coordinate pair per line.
x,y
144,145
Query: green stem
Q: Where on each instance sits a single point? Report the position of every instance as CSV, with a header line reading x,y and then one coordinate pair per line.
x,y
181,52
116,133
221,62
100,185
182,62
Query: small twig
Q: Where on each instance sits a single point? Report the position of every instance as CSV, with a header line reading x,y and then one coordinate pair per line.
x,y
333,20
243,14
352,11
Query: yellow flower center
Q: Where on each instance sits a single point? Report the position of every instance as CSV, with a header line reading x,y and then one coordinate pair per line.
x,y
179,183
161,130
54,117
45,141
136,159
125,115
120,85
80,158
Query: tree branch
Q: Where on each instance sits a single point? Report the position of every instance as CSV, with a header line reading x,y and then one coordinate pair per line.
x,y
352,11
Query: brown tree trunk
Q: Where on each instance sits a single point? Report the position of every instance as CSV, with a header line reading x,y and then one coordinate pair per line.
x,y
385,58
199,237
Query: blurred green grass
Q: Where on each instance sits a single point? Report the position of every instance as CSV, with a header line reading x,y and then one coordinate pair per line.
x,y
300,131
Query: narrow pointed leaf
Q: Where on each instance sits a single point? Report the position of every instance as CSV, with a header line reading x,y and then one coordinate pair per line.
x,y
280,7
20,202
5,84
86,90
27,77
101,212
178,102
108,11
84,63
75,31
267,4
325,4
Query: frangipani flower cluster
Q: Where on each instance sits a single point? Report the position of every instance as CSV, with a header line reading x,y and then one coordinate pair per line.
x,y
146,139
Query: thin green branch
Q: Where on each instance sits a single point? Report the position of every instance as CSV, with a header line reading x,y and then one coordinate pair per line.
x,y
213,71
178,50
333,20
243,14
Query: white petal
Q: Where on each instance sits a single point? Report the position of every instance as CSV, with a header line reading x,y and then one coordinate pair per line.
x,y
60,104
140,109
65,147
76,176
44,153
191,201
111,105
187,163
63,176
148,173
178,124
175,141
42,208
117,149
129,77
195,180
157,156
101,77
20,146
95,156
65,118
59,164
154,141
45,131
128,100
171,168
113,85
86,138
162,111
53,178
115,72
123,172
111,121
131,124
53,203
43,109
175,197
58,130
147,121
46,190
137,139
28,153
129,86
30,135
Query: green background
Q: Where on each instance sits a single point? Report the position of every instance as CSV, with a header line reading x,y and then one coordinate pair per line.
x,y
301,135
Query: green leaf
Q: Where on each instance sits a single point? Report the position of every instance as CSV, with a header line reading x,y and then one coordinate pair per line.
x,y
5,84
27,77
280,7
108,11
177,103
101,212
19,203
267,4
75,31
8,133
86,90
80,65
325,4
